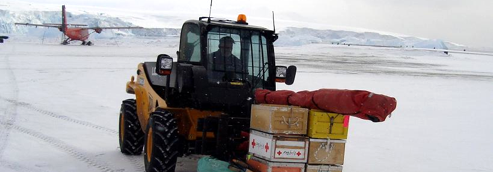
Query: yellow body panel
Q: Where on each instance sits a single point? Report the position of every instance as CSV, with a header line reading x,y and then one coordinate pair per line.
x,y
148,101
327,125
187,120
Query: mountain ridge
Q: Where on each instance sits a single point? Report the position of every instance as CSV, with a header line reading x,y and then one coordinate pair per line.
x,y
289,36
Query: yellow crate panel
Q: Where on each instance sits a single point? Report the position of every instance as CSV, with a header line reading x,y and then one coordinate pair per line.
x,y
327,125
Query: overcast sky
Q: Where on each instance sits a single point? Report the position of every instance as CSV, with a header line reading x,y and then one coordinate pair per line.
x,y
468,22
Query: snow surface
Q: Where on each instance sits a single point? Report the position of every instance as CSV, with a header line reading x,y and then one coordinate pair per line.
x,y
59,104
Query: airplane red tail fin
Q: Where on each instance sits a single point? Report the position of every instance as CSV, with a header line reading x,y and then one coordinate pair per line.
x,y
64,19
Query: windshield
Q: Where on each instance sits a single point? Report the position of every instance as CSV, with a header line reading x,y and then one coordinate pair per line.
x,y
236,55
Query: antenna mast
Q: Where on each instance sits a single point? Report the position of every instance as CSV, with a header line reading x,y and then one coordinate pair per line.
x,y
210,9
273,22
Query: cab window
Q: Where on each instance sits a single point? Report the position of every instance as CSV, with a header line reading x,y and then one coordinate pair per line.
x,y
190,44
237,55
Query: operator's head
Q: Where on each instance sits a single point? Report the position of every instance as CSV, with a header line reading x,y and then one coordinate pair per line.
x,y
226,45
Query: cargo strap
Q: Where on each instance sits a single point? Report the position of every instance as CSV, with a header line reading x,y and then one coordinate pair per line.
x,y
313,101
327,149
331,125
288,122
265,97
287,99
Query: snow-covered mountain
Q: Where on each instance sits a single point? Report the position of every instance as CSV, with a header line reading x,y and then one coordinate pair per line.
x,y
301,36
289,36
8,18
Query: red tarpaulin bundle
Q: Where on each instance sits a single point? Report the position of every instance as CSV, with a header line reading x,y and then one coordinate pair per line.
x,y
358,103
274,97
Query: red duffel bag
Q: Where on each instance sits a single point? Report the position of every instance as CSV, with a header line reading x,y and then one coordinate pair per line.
x,y
339,101
358,103
273,97
260,95
377,107
303,99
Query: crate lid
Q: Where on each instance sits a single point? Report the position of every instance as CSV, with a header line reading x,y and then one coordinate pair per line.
x,y
324,167
278,107
277,164
325,140
277,135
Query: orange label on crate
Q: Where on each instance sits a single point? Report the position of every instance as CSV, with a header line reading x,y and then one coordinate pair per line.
x,y
346,121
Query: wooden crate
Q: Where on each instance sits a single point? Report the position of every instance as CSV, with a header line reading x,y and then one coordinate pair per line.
x,y
260,165
279,119
327,125
278,148
326,151
323,168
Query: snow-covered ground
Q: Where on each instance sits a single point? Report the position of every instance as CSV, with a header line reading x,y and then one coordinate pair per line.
x,y
59,104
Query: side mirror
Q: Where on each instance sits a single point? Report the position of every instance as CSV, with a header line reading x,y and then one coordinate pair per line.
x,y
164,64
290,75
281,73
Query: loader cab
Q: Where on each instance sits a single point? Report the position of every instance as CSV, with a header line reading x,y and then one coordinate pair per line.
x,y
221,62
250,59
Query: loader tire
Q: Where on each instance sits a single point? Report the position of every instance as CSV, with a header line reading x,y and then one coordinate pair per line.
x,y
130,131
161,143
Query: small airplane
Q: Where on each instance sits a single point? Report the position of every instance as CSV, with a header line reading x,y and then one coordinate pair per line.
x,y
77,32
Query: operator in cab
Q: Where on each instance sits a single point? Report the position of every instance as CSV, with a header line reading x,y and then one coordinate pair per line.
x,y
225,65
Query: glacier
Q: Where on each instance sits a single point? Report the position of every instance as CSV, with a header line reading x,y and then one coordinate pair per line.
x,y
289,36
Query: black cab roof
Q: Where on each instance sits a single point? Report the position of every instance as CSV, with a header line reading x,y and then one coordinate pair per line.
x,y
228,23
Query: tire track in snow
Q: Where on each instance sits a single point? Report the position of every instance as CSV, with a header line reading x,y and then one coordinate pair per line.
x,y
136,162
7,120
62,117
10,112
66,148
19,167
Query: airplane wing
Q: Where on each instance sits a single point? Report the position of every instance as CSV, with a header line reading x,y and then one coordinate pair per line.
x,y
38,25
131,27
99,29
57,24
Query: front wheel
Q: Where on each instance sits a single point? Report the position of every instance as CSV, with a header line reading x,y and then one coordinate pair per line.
x,y
161,142
130,132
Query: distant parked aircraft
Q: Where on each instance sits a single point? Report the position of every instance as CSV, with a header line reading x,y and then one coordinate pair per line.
x,y
2,38
77,32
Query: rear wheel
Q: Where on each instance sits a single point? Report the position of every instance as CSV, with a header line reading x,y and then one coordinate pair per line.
x,y
161,143
130,131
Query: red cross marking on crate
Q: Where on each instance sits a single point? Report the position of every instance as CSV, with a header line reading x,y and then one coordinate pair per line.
x,y
299,153
279,153
253,143
266,147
